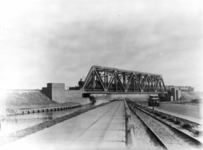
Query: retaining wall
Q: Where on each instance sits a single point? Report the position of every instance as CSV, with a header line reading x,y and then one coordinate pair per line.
x,y
76,96
38,110
56,92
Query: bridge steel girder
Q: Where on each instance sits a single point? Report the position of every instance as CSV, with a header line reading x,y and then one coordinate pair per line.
x,y
101,80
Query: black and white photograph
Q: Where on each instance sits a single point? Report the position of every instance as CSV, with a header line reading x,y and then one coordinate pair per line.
x,y
101,74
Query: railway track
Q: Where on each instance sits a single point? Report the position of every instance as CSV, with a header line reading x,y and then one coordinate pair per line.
x,y
189,125
166,135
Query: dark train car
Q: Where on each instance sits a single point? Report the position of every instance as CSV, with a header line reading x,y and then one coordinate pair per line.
x,y
153,100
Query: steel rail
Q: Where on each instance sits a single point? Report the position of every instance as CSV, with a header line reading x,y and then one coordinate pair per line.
x,y
195,140
180,119
161,143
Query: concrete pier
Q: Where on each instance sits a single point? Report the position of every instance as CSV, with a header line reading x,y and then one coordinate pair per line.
x,y
100,128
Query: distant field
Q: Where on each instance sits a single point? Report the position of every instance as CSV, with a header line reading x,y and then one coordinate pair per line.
x,y
183,107
194,111
190,95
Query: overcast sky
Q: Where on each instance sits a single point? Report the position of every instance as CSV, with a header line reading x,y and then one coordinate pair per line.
x,y
44,41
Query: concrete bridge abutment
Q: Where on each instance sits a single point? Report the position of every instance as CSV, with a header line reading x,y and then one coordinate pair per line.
x,y
56,92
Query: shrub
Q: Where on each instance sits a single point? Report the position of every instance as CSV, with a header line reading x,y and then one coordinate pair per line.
x,y
186,126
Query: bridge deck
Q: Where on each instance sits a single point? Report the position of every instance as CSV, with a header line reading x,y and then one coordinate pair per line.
x,y
103,92
99,128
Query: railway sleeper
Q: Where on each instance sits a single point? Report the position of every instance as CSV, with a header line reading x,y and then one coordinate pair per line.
x,y
162,144
182,124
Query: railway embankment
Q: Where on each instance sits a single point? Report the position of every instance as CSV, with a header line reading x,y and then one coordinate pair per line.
x,y
17,102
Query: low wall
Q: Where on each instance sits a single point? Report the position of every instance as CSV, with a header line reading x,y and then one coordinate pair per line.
x,y
76,96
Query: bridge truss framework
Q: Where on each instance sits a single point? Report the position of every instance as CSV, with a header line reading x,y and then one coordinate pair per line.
x,y
117,81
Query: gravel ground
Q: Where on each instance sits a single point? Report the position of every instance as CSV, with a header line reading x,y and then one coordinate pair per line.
x,y
171,139
143,138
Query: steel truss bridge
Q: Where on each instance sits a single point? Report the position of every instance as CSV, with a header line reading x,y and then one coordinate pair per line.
x,y
105,80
